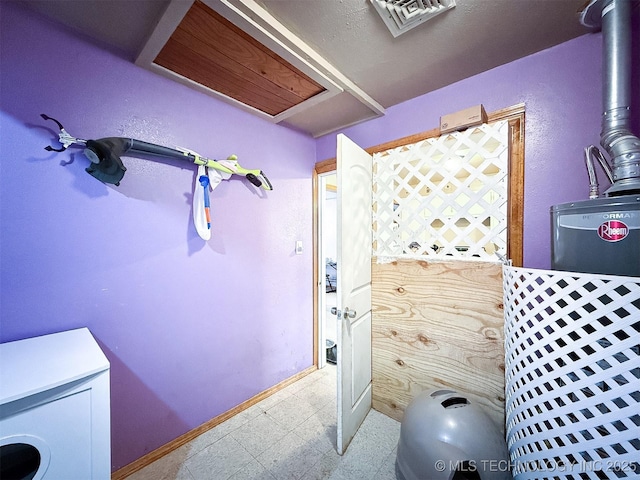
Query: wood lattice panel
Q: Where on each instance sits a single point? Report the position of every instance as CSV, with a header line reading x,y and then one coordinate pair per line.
x,y
572,375
444,196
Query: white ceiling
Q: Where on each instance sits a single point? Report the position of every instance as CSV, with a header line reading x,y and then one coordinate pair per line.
x,y
473,37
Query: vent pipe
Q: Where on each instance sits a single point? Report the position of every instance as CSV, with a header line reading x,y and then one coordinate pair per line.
x,y
623,147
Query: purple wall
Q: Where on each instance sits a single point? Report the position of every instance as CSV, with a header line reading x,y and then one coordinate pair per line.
x,y
561,90
191,328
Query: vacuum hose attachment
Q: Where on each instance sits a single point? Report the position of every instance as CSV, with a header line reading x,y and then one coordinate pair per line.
x,y
104,154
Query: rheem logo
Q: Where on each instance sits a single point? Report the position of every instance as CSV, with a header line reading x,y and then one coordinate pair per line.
x,y
613,231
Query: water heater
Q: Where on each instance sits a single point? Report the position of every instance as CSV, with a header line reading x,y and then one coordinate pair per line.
x,y
601,235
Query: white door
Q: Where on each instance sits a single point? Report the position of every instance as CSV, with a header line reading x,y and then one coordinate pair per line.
x,y
353,308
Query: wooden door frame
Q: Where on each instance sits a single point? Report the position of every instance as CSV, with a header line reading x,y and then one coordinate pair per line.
x,y
515,116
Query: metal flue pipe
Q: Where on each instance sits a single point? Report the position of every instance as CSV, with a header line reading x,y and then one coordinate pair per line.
x,y
623,147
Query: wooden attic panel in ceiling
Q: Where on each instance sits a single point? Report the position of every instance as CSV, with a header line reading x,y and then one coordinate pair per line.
x,y
210,50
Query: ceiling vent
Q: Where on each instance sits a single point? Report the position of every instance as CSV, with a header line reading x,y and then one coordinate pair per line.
x,y
401,16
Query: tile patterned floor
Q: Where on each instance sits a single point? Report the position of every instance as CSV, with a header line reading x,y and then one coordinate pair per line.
x,y
288,436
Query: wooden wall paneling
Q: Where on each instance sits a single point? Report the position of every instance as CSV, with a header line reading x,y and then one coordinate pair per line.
x,y
437,325
212,51
175,56
211,28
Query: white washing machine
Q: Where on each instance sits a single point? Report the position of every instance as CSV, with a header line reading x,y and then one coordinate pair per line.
x,y
54,408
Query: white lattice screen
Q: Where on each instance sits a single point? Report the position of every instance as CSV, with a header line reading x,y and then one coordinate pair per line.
x,y
572,346
444,196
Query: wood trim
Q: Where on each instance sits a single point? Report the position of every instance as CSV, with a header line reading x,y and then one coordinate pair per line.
x,y
160,452
505,113
316,267
515,213
325,166
515,115
417,137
